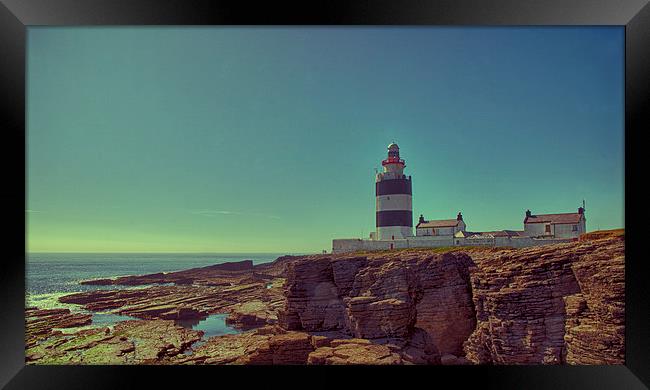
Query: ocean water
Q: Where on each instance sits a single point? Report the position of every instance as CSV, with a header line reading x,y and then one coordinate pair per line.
x,y
52,275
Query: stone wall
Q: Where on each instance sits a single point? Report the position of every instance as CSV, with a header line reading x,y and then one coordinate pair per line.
x,y
356,244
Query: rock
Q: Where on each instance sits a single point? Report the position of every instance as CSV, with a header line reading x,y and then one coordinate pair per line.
x,y
448,359
250,305
217,274
445,308
251,314
595,317
232,266
550,305
312,297
318,341
382,302
462,361
420,349
40,324
277,268
373,318
377,298
344,272
130,342
350,352
98,282
268,345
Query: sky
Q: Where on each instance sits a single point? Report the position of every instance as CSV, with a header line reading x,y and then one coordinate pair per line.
x,y
240,139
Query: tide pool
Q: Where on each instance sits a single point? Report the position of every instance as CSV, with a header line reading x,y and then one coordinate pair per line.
x,y
213,325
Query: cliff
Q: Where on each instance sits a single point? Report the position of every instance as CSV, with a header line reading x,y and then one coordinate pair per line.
x,y
552,304
377,298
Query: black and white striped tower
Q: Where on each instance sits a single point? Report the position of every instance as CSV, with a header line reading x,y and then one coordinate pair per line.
x,y
393,194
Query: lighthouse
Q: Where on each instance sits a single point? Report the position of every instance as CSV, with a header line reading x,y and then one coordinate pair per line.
x,y
393,198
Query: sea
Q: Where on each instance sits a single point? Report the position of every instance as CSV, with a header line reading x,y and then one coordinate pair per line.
x,y
52,275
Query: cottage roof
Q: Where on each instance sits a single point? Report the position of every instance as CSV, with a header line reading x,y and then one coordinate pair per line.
x,y
566,218
438,223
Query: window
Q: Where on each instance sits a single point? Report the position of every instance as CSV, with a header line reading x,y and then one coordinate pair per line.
x,y
574,228
548,228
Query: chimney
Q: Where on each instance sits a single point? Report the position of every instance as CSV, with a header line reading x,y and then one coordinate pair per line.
x,y
459,217
528,213
581,210
421,219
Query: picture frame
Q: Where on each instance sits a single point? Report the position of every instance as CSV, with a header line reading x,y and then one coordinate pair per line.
x,y
18,15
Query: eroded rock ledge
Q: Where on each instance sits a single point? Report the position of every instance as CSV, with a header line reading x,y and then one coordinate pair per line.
x,y
275,345
42,324
250,296
129,342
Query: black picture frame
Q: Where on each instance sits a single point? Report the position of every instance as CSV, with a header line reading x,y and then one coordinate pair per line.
x,y
17,15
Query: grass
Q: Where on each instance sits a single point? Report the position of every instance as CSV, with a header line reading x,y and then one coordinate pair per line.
x,y
600,234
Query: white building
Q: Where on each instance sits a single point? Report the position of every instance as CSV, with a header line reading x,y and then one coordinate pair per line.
x,y
394,221
441,227
566,225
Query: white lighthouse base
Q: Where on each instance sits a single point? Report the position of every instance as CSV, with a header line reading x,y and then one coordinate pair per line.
x,y
394,232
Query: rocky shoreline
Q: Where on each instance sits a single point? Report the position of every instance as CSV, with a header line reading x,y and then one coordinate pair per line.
x,y
556,304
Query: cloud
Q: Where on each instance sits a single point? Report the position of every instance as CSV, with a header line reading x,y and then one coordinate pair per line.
x,y
213,213
32,211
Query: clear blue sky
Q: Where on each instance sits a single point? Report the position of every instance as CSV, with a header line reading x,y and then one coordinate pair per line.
x,y
266,139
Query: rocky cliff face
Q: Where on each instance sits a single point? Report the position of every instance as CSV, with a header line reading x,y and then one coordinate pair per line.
x,y
554,304
386,297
